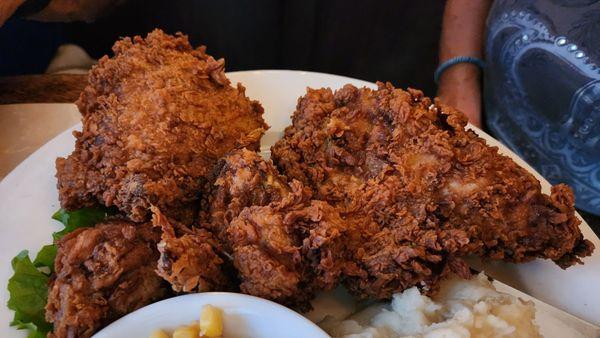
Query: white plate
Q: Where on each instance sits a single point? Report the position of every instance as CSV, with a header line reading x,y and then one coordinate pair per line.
x,y
244,316
28,197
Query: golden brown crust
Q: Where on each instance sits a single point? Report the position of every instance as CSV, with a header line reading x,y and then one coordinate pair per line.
x,y
423,189
102,273
289,249
191,260
156,118
240,179
284,245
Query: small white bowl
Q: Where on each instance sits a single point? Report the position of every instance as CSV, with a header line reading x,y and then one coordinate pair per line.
x,y
243,316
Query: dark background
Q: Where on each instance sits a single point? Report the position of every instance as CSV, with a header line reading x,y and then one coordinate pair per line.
x,y
384,40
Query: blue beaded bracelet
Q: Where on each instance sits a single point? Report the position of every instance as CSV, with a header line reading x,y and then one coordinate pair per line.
x,y
451,62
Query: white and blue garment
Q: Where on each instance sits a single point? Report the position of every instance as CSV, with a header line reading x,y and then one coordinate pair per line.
x,y
542,88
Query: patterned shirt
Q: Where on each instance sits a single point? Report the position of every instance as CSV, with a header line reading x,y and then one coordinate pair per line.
x,y
542,88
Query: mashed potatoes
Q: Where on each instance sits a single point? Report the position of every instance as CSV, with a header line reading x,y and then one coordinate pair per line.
x,y
462,308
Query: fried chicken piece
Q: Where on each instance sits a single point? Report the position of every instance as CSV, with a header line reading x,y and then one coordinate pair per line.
x,y
288,250
102,273
156,118
240,179
191,259
424,190
284,245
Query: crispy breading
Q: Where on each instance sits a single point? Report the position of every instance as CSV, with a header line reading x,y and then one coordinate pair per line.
x,y
156,118
284,245
102,274
289,249
191,259
240,179
423,189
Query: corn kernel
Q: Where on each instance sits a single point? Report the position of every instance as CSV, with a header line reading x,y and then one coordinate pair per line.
x,y
159,334
211,321
186,332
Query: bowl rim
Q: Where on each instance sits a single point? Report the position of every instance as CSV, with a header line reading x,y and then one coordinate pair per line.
x,y
231,299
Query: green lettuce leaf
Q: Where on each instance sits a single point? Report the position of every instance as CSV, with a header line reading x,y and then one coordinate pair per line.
x,y
85,217
34,331
28,287
45,257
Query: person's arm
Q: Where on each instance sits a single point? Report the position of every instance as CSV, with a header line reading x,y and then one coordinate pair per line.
x,y
8,8
61,10
74,10
462,35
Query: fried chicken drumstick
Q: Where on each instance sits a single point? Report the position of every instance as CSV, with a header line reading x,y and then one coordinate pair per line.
x,y
156,118
423,189
102,274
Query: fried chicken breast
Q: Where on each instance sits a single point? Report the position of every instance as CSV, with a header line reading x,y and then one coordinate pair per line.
x,y
156,118
423,189
102,273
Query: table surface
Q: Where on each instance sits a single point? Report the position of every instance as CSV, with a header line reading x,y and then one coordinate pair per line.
x,y
50,88
25,125
29,117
